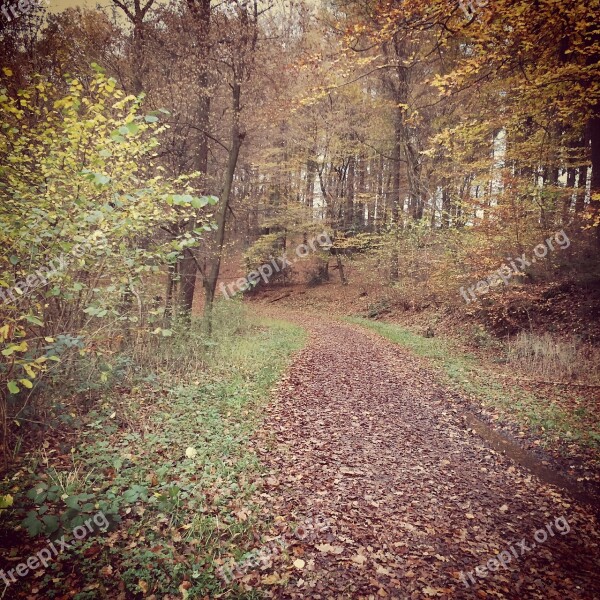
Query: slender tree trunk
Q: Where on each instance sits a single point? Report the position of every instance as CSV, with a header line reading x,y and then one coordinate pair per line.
x,y
200,10
570,191
396,182
445,217
581,190
594,129
236,143
350,185
340,266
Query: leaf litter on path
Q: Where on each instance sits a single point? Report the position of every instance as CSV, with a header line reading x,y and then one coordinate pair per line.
x,y
363,436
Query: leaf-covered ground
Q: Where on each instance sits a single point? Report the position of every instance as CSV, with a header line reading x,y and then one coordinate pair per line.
x,y
363,438
362,480
170,465
561,424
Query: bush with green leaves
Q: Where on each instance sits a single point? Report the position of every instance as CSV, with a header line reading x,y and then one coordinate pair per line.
x,y
80,185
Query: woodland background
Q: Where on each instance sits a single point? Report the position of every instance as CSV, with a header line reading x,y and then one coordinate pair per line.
x,y
199,139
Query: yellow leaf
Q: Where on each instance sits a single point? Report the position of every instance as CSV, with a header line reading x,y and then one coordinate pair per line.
x,y
26,383
299,563
7,71
6,501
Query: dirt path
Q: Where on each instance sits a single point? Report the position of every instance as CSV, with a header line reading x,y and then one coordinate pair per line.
x,y
363,438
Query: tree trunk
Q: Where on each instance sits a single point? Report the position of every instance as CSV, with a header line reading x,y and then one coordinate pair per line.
x,y
341,269
349,212
581,190
570,191
200,11
594,129
237,138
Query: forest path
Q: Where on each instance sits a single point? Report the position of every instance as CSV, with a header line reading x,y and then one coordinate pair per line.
x,y
363,438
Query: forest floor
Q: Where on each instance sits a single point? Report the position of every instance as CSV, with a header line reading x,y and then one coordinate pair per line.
x,y
396,496
553,414
359,475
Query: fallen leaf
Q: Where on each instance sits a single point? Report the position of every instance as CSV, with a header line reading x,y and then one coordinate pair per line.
x,y
329,549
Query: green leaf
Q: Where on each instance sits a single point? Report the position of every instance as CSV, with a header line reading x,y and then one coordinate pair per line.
x,y
199,202
51,522
32,524
13,388
34,320
131,495
133,128
101,179
72,502
150,119
117,137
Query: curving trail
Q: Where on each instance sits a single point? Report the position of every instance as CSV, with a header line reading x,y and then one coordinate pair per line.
x,y
363,436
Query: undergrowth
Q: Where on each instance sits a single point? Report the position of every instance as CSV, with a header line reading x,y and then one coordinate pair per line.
x,y
168,463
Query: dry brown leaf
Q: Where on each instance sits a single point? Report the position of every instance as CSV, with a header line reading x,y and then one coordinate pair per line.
x,y
329,549
273,579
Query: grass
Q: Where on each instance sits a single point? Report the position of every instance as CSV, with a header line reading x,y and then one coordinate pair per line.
x,y
172,468
544,356
465,373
